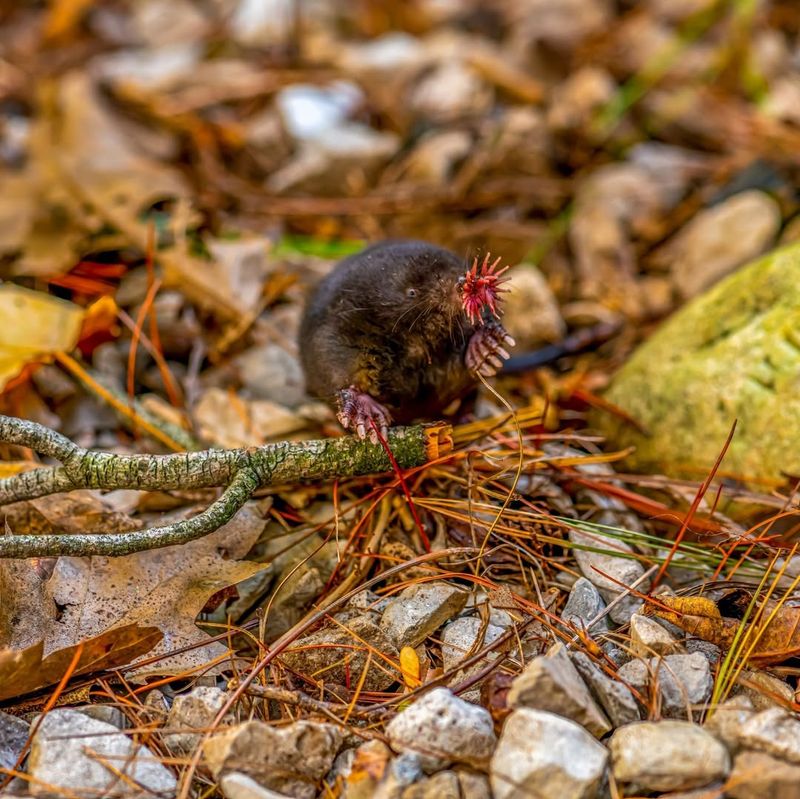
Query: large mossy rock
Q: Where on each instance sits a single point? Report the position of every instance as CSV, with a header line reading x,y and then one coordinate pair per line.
x,y
732,353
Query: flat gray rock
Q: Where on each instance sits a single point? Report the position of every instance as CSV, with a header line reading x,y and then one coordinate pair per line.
x,y
774,731
69,753
757,775
421,609
544,756
667,756
684,681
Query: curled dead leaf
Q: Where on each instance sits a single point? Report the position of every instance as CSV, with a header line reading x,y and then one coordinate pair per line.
x,y
771,634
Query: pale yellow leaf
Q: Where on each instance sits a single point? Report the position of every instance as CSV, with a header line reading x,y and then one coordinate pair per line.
x,y
34,326
409,665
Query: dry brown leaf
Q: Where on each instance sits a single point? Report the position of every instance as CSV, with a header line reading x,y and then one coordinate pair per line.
x,y
23,671
81,511
227,420
164,587
35,325
79,151
776,634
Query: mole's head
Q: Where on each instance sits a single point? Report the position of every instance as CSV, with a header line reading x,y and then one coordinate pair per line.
x,y
421,287
424,285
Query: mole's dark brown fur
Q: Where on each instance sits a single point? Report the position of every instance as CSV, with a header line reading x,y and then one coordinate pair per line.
x,y
385,337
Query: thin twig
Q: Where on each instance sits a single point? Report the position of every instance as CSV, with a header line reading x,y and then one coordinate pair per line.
x,y
241,470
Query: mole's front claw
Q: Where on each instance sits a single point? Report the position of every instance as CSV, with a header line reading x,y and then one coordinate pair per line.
x,y
486,350
357,411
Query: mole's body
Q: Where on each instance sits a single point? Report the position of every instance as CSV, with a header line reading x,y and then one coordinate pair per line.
x,y
385,336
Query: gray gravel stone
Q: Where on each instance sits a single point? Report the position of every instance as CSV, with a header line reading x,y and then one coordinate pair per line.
x,y
443,785
584,604
460,638
68,753
551,682
421,609
649,638
757,775
667,756
13,737
239,786
107,713
443,728
726,720
683,681
711,652
615,698
722,237
532,314
621,570
195,710
335,652
765,690
288,759
544,756
774,731
269,372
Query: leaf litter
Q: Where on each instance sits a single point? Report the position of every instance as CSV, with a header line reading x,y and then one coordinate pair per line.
x,y
205,171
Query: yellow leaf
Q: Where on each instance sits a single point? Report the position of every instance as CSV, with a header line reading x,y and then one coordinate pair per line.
x,y
409,665
34,326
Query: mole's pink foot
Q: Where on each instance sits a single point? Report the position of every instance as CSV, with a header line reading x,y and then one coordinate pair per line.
x,y
486,349
357,411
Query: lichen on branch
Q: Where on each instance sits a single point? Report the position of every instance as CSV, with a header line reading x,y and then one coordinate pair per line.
x,y
240,471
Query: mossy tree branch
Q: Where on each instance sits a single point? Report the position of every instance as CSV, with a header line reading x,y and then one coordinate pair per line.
x,y
242,471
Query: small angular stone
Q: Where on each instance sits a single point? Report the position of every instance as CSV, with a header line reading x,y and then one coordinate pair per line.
x,y
667,756
421,609
607,571
239,786
726,721
195,710
473,785
683,681
615,698
550,682
722,237
649,638
443,785
460,638
13,737
442,729
584,604
765,690
287,759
